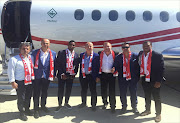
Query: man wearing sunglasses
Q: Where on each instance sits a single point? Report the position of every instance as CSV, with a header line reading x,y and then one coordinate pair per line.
x,y
126,64
67,64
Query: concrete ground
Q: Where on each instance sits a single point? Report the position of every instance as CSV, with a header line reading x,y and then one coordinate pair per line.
x,y
170,109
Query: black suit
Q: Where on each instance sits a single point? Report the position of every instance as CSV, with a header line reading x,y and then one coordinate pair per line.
x,y
124,84
61,67
156,75
108,81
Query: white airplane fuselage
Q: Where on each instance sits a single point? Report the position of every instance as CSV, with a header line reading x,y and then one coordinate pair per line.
x,y
56,20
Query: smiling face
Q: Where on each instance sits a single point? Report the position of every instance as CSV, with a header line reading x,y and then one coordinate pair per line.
x,y
71,46
24,50
89,47
45,43
107,47
125,48
147,46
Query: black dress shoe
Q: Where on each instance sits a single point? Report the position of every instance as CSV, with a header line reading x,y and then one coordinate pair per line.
x,y
104,106
82,105
113,110
135,111
45,109
28,112
23,116
146,112
123,111
93,108
36,114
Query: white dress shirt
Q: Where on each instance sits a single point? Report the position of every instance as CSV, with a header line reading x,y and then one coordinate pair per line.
x,y
43,56
145,62
107,63
16,68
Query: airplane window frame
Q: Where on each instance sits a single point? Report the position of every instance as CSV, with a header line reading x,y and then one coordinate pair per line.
x,y
96,15
147,16
113,15
178,16
162,17
79,13
129,17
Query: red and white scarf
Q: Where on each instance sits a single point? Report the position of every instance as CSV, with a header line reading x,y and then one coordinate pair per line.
x,y
101,62
90,64
126,67
148,69
28,76
51,73
69,62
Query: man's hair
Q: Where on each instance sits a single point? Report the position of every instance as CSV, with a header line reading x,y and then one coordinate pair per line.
x,y
27,44
71,41
44,39
106,43
125,43
145,42
88,43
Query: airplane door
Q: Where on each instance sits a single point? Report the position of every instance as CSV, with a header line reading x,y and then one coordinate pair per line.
x,y
15,22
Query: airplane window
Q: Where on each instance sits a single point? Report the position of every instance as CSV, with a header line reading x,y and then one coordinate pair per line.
x,y
164,16
113,15
130,15
96,15
79,14
178,16
147,16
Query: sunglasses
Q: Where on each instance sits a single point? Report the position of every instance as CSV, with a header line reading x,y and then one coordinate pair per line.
x,y
125,47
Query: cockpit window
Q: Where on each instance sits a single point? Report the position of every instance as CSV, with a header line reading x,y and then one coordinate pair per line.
x,y
79,14
164,16
178,16
147,16
130,15
96,15
113,15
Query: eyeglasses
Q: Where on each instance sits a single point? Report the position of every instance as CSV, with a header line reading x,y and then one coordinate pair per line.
x,y
125,47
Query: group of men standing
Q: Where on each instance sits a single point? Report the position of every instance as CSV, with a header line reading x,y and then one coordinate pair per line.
x,y
27,73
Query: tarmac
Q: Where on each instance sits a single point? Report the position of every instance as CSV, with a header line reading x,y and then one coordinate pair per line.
x,y
170,109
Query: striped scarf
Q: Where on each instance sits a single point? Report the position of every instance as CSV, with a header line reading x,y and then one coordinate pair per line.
x,y
69,63
28,76
126,67
148,70
51,73
101,62
90,64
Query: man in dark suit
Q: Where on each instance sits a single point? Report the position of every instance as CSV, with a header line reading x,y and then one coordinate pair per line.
x,y
107,78
152,71
126,64
67,64
89,68
44,70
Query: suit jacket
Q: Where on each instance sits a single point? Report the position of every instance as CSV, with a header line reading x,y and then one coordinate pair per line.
x,y
95,66
43,70
157,67
134,67
61,63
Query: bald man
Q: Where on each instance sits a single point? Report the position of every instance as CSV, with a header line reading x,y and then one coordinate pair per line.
x,y
44,70
107,78
89,68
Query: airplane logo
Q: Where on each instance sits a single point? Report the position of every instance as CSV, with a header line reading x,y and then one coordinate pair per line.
x,y
52,13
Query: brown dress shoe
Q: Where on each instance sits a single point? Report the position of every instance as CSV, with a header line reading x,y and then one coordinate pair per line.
x,y
157,118
146,112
